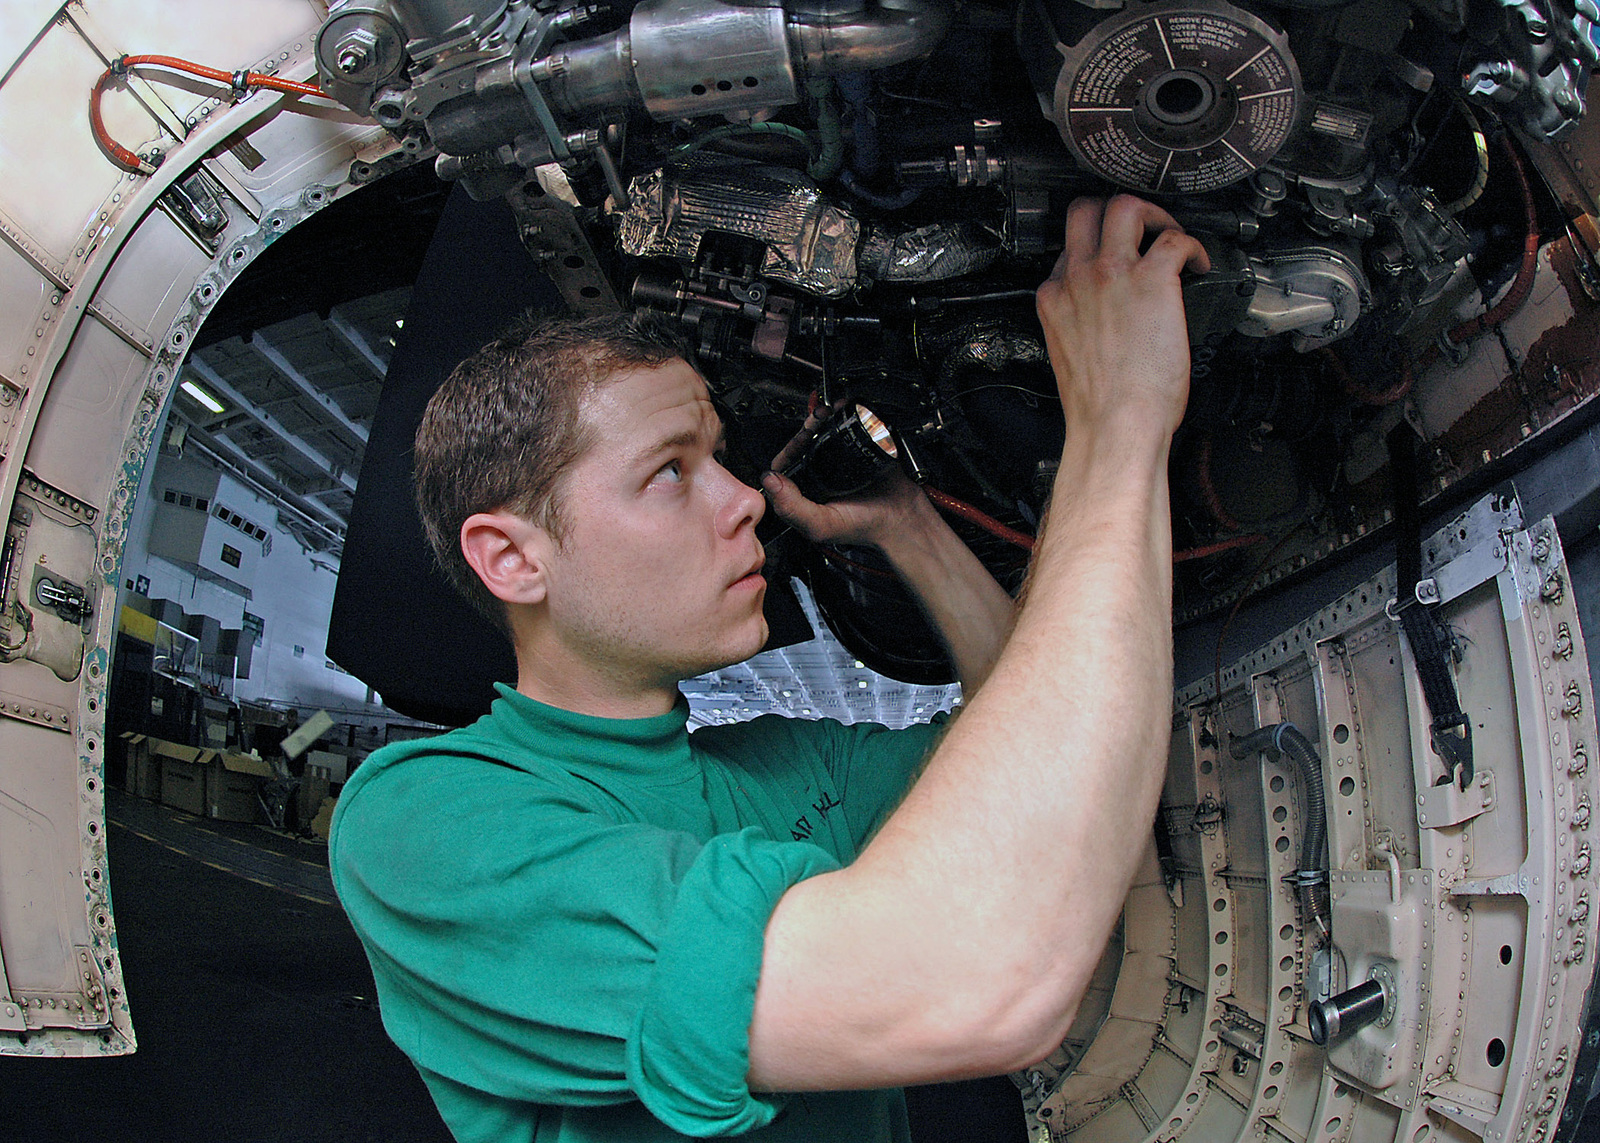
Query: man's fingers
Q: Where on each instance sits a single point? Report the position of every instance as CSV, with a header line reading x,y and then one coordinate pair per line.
x,y
789,502
1083,231
792,451
1128,221
1175,250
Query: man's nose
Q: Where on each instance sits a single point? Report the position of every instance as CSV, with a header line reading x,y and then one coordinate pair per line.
x,y
742,505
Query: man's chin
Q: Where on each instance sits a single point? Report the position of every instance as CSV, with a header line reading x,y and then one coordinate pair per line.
x,y
735,653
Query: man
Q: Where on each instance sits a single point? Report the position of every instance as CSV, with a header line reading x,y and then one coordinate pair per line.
x,y
586,925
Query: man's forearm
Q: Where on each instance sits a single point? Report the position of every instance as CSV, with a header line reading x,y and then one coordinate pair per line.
x,y
970,611
967,606
960,941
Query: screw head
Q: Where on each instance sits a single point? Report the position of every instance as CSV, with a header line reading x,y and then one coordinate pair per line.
x,y
351,59
356,50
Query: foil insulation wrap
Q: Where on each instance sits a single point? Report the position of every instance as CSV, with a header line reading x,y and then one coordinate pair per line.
x,y
991,344
810,243
928,253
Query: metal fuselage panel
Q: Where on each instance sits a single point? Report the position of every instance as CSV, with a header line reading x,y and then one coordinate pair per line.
x,y
1475,903
102,289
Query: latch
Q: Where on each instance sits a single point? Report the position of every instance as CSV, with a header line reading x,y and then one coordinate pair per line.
x,y
1426,593
195,203
1447,804
1208,815
1244,1034
69,601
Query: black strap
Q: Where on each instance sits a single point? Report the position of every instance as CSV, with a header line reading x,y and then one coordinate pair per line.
x,y
1451,730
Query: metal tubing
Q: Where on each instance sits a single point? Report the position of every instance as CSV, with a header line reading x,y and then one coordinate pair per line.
x,y
1350,1011
603,72
593,74
886,33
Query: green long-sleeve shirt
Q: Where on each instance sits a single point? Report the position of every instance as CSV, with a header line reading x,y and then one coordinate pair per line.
x,y
565,914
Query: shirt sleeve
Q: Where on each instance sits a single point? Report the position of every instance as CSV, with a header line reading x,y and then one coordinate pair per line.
x,y
530,947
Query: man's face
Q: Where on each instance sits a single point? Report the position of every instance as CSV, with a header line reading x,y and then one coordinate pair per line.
x,y
657,576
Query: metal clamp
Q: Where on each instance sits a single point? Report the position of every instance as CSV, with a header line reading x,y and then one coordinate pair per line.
x,y
1426,595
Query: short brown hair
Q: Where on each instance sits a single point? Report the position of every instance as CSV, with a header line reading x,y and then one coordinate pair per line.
x,y
504,426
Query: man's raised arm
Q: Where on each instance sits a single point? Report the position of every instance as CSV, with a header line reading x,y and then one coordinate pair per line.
x,y
960,942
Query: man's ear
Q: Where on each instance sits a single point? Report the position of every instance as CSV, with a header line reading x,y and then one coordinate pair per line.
x,y
509,554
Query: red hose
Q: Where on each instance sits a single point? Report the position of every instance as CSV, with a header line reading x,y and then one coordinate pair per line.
x,y
129,161
1217,548
1024,541
1520,285
1523,282
983,520
1208,488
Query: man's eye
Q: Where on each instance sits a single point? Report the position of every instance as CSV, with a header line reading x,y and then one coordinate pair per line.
x,y
672,471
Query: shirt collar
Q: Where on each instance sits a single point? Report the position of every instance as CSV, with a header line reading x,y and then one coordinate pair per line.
x,y
651,751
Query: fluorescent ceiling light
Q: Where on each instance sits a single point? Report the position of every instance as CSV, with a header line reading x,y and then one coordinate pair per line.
x,y
202,396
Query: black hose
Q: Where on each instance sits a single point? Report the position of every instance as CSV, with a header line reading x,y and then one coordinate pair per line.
x,y
1285,739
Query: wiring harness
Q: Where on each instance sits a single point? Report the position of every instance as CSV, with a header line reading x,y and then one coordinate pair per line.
x,y
241,82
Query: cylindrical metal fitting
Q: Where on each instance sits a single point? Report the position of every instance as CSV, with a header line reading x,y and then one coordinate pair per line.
x,y
687,58
592,74
1350,1011
891,32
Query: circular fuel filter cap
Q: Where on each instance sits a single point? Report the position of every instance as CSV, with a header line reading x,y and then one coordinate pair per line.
x,y
1178,98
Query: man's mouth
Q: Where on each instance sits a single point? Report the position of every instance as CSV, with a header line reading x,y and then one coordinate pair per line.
x,y
753,576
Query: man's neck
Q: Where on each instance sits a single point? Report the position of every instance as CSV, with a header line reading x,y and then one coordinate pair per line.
x,y
581,688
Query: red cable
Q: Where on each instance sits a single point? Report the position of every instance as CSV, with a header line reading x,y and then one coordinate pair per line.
x,y
1022,540
1208,488
981,519
1520,285
1217,548
1523,282
118,154
129,161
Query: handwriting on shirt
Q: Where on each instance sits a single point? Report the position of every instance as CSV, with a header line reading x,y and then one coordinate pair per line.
x,y
802,828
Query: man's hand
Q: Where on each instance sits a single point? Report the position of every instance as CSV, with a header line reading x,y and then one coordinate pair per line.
x,y
1113,316
970,611
871,518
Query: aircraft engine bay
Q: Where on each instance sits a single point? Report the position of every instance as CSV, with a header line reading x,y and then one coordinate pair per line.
x,y
1370,910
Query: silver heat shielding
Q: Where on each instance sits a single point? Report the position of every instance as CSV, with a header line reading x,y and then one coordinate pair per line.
x,y
810,243
684,58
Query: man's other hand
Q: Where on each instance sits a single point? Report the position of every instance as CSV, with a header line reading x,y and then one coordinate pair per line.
x,y
1112,311
890,505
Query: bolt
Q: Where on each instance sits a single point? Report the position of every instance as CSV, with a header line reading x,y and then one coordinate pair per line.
x,y
355,51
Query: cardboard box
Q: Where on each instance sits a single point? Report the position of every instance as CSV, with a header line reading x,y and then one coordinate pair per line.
x,y
143,778
233,783
334,766
322,824
183,775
